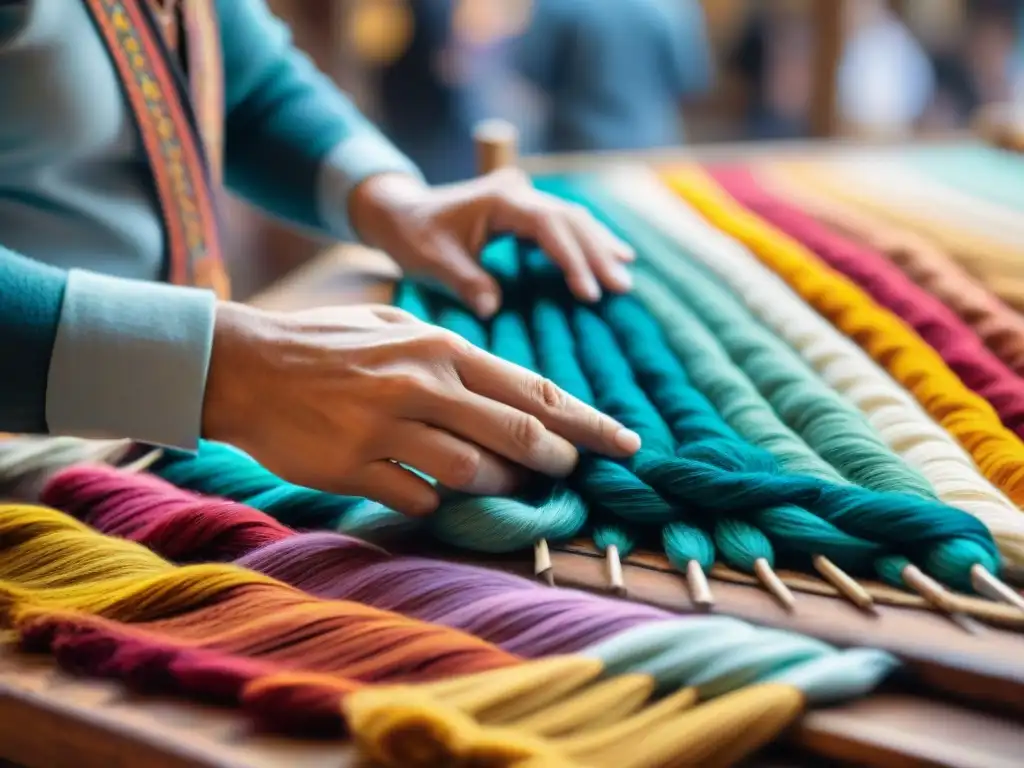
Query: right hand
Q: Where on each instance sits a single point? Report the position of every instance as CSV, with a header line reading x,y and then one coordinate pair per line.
x,y
333,398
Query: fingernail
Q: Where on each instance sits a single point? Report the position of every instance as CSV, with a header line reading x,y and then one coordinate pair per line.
x,y
486,304
590,289
627,440
622,278
628,254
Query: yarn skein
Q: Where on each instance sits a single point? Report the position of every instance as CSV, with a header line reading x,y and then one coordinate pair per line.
x,y
498,607
969,418
962,351
950,559
520,615
894,413
43,585
927,265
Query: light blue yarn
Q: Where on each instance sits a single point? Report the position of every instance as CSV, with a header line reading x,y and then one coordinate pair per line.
x,y
981,171
719,654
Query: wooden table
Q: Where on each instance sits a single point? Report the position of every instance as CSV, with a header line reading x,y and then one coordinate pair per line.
x,y
51,720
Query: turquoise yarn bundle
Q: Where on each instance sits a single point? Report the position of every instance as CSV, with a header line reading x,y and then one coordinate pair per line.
x,y
828,423
221,470
717,471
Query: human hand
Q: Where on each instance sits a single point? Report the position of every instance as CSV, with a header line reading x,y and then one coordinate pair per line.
x,y
440,232
332,398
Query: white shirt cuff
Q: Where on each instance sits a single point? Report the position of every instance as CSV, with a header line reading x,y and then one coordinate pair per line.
x,y
130,361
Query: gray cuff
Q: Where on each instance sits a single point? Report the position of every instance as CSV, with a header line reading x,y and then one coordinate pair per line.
x,y
347,165
130,360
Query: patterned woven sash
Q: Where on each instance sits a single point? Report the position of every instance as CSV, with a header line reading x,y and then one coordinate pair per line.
x,y
180,121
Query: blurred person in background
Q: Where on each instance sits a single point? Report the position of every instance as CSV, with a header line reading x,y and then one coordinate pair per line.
x,y
570,74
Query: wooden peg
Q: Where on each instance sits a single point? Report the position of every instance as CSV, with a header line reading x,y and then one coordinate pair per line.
x,y
939,597
986,583
771,581
845,584
542,567
497,145
616,583
700,590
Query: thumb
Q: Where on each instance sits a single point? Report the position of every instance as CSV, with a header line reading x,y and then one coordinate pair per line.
x,y
456,268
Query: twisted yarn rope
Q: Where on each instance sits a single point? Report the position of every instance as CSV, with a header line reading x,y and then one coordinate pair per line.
x,y
970,419
896,416
654,364
927,265
180,524
963,352
992,261
39,591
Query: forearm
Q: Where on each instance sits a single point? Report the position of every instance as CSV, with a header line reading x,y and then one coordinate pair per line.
x,y
295,145
98,356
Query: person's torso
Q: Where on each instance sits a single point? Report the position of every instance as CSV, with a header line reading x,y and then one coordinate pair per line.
x,y
75,186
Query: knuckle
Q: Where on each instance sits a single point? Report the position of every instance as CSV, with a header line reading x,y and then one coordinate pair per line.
x,y
526,431
463,467
447,345
405,384
512,175
545,393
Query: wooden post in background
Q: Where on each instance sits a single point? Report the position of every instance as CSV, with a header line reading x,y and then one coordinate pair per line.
x,y
496,143
829,23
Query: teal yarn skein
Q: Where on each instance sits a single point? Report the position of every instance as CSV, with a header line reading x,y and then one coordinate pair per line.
x,y
721,472
732,394
607,485
830,424
222,470
489,523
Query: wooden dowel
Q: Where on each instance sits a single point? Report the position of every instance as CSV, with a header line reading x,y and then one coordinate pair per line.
x,y
844,583
697,583
988,585
616,583
497,145
771,581
542,567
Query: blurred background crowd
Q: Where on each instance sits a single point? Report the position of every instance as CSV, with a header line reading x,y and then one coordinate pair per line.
x,y
602,75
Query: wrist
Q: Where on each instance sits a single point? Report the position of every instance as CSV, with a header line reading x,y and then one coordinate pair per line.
x,y
227,400
374,201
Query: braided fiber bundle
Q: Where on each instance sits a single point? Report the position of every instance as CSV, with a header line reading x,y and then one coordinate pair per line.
x,y
869,516
519,614
969,418
995,262
106,606
963,352
783,371
927,265
162,516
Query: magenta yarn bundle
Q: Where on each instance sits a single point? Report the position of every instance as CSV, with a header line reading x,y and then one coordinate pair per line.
x,y
522,616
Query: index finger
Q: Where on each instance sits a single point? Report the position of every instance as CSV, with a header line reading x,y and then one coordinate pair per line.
x,y
579,423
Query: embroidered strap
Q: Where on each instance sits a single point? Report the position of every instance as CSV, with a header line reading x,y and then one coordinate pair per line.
x,y
163,114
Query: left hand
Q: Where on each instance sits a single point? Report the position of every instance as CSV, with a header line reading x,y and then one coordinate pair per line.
x,y
440,232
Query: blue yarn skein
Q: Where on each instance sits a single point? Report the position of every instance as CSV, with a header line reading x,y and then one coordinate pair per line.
x,y
831,424
497,524
608,485
948,541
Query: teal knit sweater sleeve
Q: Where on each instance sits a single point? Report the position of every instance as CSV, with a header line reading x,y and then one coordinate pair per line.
x,y
294,144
